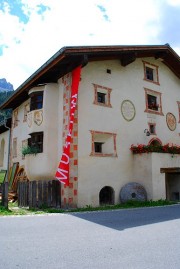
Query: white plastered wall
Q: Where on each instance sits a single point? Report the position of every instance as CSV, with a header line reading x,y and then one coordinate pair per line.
x,y
4,139
127,83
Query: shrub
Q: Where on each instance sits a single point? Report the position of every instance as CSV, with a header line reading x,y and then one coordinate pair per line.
x,y
30,150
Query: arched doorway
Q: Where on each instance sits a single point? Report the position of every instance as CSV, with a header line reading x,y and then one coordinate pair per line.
x,y
155,142
106,196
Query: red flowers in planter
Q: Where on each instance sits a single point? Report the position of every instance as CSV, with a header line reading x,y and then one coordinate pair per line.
x,y
167,148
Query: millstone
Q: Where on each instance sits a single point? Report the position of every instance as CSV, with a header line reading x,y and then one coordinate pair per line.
x,y
133,191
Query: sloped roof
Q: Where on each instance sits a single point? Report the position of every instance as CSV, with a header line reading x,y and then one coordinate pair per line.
x,y
67,58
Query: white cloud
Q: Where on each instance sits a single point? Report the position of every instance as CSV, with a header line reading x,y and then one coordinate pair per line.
x,y
68,23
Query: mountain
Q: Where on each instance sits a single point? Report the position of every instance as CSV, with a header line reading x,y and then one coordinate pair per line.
x,y
6,90
5,86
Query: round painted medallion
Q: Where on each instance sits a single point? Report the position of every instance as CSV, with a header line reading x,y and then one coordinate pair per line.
x,y
171,121
128,110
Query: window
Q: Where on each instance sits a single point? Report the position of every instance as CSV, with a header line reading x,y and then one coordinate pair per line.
x,y
36,100
151,72
15,118
153,102
36,141
152,128
98,147
102,95
26,110
14,147
103,144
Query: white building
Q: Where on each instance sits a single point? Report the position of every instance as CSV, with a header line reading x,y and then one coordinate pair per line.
x,y
125,94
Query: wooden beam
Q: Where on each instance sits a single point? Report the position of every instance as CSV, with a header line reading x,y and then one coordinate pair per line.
x,y
127,58
170,170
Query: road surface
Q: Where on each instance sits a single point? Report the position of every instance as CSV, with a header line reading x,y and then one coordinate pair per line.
x,y
122,239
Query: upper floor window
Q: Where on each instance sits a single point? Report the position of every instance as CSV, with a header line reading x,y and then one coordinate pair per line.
x,y
102,95
151,72
36,100
153,102
36,141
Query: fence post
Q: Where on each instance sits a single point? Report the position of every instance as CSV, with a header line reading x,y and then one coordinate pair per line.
x,y
5,195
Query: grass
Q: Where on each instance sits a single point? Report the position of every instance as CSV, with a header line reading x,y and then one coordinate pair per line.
x,y
15,210
2,176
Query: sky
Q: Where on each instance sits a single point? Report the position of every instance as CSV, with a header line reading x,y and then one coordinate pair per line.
x,y
31,31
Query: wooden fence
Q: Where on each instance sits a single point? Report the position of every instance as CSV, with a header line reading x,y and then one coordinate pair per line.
x,y
4,193
38,194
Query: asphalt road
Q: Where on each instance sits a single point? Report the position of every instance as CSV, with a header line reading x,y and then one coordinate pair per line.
x,y
123,239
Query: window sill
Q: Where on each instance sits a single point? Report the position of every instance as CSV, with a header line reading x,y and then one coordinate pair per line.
x,y
103,154
101,104
152,81
151,111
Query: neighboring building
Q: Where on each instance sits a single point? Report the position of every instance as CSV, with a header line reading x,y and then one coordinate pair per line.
x,y
125,93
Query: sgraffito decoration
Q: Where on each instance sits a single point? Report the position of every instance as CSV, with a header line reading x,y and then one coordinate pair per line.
x,y
128,110
38,117
171,121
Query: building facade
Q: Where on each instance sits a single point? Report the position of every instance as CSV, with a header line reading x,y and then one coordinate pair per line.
x,y
128,95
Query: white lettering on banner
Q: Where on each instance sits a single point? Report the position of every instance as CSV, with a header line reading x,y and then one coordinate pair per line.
x,y
65,162
62,175
67,144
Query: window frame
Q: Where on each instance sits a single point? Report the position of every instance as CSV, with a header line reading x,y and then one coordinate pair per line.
x,y
158,96
155,73
93,141
98,89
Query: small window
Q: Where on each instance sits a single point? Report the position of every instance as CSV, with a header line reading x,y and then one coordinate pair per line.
x,y
36,100
98,147
36,141
103,144
102,95
151,72
152,128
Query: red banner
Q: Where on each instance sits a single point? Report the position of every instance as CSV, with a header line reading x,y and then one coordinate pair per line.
x,y
62,173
